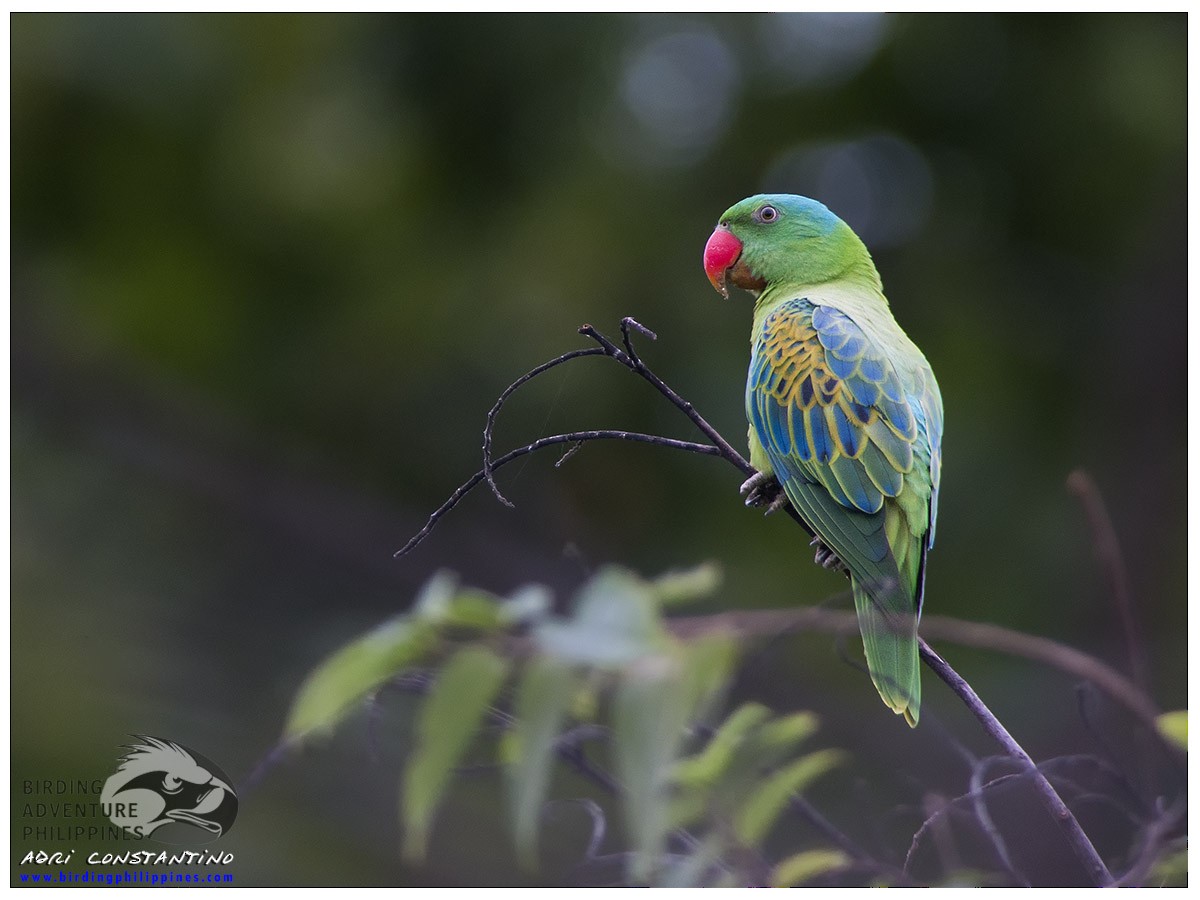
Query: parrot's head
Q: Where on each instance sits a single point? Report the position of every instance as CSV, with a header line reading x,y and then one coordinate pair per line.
x,y
772,238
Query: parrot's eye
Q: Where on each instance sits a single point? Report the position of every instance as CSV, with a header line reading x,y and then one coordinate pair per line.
x,y
768,214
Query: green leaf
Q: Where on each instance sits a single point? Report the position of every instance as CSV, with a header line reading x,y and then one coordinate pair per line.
x,y
776,740
690,584
346,677
584,705
433,602
688,806
446,723
615,622
656,699
967,878
543,695
788,731
441,602
1173,726
807,865
527,604
649,715
766,801
708,765
477,610
1170,870
707,669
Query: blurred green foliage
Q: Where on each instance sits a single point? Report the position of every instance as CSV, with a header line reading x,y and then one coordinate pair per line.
x,y
270,271
717,806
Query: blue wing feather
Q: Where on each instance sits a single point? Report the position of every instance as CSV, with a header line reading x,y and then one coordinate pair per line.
x,y
830,410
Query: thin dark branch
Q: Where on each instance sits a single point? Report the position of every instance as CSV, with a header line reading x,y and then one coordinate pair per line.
x,y
1054,804
574,448
802,807
630,322
635,364
944,838
574,437
1112,562
946,809
1087,700
1108,552
595,813
979,771
488,466
1122,797
571,748
1153,840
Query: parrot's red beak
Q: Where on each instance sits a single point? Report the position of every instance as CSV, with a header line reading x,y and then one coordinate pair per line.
x,y
720,254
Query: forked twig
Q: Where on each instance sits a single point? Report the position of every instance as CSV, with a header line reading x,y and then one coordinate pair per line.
x,y
999,845
489,467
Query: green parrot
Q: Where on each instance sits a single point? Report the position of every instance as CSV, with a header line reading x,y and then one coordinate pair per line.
x,y
845,416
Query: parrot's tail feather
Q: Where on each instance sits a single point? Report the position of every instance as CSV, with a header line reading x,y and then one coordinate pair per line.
x,y
889,632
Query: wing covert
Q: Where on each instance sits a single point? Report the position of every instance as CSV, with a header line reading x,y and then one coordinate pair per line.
x,y
828,404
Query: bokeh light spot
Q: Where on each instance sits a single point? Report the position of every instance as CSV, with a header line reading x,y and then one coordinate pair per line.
x,y
675,98
820,48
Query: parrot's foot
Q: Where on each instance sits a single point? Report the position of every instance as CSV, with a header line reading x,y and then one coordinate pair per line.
x,y
825,557
764,490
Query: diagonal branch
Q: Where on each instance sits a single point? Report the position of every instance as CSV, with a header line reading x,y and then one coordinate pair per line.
x,y
1080,842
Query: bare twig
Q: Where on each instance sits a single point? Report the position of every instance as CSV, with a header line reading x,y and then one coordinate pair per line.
x,y
1122,797
488,466
595,813
630,322
946,809
571,748
1054,804
1153,840
1108,552
802,807
978,772
635,364
575,448
933,805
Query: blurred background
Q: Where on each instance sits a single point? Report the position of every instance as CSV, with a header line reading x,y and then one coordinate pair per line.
x,y
269,272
